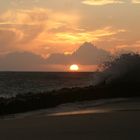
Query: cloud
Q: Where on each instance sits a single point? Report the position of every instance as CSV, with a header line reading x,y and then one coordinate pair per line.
x,y
128,47
23,25
107,2
21,61
87,54
79,36
22,3
33,27
36,29
102,2
136,1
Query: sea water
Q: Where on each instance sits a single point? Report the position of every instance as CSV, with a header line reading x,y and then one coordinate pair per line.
x,y
13,83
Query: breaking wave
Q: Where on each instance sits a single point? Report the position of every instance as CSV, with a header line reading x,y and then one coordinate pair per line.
x,y
119,78
124,69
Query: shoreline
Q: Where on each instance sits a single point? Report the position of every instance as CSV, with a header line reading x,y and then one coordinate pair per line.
x,y
32,102
113,125
87,107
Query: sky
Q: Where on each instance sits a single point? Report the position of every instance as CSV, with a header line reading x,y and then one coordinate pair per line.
x,y
46,27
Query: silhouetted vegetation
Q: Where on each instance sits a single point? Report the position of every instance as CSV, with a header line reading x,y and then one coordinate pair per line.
x,y
121,78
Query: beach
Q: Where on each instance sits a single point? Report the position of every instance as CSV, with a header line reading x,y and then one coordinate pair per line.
x,y
112,121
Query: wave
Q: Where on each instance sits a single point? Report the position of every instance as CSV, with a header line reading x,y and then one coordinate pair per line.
x,y
119,78
124,69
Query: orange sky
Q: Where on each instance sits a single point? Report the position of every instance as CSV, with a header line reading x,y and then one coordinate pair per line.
x,y
47,26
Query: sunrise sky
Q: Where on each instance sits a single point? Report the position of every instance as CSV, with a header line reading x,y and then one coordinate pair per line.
x,y
44,27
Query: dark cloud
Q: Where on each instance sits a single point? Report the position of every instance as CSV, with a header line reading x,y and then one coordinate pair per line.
x,y
21,61
4,43
87,54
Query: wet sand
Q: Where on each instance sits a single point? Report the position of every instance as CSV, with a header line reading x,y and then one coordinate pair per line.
x,y
120,121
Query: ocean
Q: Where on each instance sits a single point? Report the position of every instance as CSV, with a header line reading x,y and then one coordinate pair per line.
x,y
13,83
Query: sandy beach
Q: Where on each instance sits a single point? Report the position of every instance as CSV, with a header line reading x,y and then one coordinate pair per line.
x,y
118,121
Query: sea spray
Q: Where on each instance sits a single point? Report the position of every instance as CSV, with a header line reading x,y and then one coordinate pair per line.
x,y
125,68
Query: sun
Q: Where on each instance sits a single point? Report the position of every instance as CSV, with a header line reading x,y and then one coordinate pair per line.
x,y
74,67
